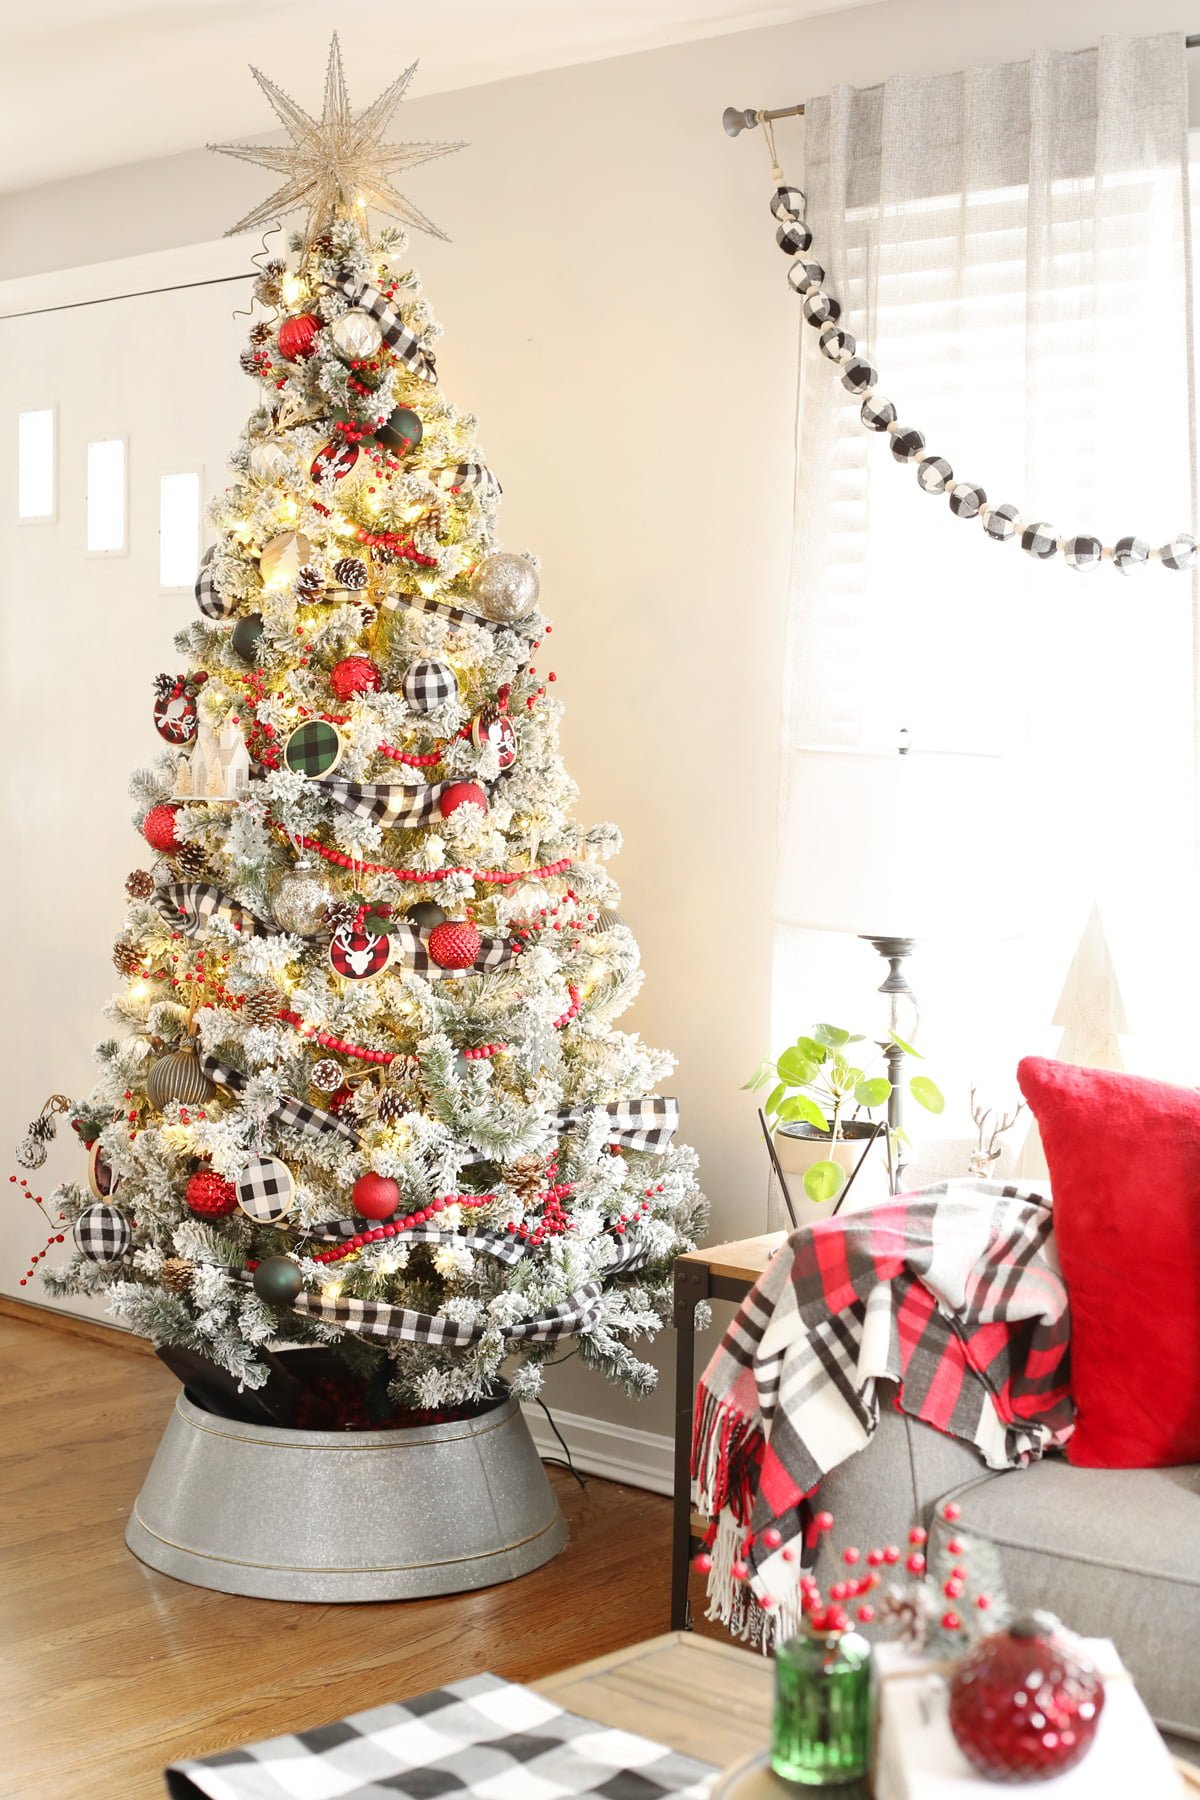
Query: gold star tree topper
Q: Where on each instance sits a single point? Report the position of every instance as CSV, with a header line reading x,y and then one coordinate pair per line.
x,y
338,165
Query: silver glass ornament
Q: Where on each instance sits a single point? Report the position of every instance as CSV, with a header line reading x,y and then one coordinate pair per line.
x,y
300,899
505,586
269,460
356,335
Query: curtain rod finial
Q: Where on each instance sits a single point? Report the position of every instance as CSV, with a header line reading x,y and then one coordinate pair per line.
x,y
735,120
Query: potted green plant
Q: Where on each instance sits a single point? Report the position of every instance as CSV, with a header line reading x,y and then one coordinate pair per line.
x,y
824,1093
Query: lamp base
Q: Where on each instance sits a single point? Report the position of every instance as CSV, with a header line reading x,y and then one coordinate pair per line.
x,y
895,952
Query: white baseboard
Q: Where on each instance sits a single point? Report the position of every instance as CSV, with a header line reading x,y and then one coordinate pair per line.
x,y
641,1459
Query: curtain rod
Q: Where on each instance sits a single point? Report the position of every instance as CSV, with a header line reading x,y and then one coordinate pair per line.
x,y
737,119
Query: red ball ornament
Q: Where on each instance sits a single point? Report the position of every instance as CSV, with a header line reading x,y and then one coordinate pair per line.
x,y
210,1196
455,943
461,793
1024,1704
158,828
354,675
297,336
376,1197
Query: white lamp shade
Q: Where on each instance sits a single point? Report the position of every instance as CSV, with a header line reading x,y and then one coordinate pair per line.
x,y
890,844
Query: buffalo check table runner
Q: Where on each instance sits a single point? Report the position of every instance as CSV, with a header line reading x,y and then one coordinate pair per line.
x,y
482,1738
954,1293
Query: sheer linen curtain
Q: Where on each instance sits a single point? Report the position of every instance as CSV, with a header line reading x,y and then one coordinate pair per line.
x,y
1012,247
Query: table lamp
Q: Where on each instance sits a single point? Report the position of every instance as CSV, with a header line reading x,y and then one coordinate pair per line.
x,y
885,845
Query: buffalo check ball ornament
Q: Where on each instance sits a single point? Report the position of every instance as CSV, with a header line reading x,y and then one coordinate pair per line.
x,y
428,683
102,1233
1001,522
265,1190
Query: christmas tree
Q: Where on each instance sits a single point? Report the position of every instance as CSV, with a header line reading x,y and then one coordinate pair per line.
x,y
366,1090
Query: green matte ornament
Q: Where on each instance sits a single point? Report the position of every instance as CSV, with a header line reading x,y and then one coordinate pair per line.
x,y
401,432
277,1281
244,638
425,914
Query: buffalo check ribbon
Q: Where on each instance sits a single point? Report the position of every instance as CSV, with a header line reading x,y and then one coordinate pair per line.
x,y
457,615
463,477
494,953
396,334
287,1110
376,1318
188,906
647,1124
386,803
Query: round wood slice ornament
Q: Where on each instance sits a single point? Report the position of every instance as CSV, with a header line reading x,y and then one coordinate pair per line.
x,y
265,1189
175,717
100,1177
358,955
314,748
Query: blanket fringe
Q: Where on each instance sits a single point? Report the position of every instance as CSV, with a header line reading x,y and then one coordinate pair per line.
x,y
727,1451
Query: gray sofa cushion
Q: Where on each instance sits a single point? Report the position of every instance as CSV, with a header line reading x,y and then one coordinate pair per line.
x,y
1115,1553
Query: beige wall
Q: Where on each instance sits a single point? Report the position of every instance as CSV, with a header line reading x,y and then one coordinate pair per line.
x,y
617,314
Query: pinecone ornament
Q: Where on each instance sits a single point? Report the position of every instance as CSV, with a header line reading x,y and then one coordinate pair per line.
x,y
127,959
525,1176
262,1007
261,332
340,916
309,581
391,1106
350,572
139,884
191,859
177,1274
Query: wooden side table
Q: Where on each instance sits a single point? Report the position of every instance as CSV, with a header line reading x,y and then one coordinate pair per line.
x,y
721,1272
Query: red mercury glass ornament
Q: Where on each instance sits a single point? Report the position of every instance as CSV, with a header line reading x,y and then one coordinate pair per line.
x,y
297,336
1024,1704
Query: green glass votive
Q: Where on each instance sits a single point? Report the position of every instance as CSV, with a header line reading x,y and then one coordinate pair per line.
x,y
822,1733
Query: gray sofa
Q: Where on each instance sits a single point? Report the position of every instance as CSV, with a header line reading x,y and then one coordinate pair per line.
x,y
1115,1553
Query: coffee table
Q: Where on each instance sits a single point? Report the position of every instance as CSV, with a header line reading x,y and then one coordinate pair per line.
x,y
703,1698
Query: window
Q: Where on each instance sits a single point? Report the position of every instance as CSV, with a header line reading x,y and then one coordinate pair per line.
x,y
106,502
178,528
35,466
1017,348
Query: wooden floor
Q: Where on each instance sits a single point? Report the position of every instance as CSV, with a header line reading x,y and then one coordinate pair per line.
x,y
108,1671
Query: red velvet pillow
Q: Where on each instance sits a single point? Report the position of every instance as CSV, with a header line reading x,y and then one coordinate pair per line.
x,y
1124,1161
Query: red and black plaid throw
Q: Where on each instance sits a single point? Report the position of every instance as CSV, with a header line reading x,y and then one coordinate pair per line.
x,y
954,1293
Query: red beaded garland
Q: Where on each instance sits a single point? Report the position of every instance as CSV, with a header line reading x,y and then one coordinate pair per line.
x,y
397,1226
503,877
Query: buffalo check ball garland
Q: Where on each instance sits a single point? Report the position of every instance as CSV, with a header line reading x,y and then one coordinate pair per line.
x,y
1002,522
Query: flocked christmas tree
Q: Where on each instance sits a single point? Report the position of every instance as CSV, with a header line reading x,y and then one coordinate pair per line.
x,y
367,1090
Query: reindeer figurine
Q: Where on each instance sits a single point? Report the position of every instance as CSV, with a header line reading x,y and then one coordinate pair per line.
x,y
986,1154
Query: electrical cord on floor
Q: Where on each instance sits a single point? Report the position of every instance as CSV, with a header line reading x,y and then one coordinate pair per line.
x,y
558,1461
